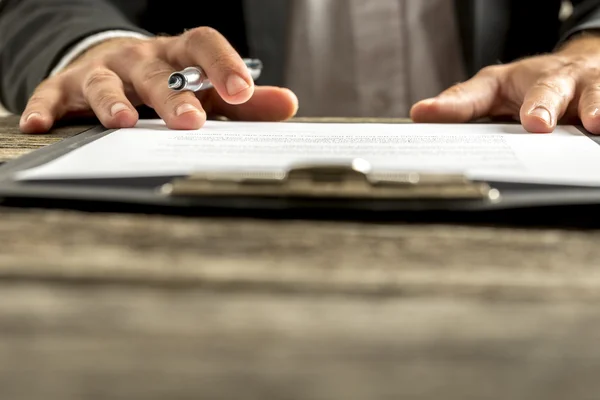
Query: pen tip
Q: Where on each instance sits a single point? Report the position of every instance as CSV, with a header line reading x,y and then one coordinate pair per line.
x,y
175,82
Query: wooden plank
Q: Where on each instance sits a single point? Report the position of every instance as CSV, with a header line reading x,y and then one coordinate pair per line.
x,y
147,307
13,143
120,342
301,256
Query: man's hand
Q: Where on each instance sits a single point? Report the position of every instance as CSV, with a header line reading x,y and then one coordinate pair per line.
x,y
538,91
110,79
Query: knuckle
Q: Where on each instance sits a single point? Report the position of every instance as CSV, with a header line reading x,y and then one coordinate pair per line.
x,y
105,99
552,85
593,105
153,70
569,70
49,83
549,84
594,88
137,52
97,78
39,98
575,62
223,61
457,90
207,38
590,77
201,34
591,93
175,99
36,100
593,72
491,70
578,67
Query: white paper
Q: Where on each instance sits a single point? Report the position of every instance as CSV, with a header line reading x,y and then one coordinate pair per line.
x,y
495,152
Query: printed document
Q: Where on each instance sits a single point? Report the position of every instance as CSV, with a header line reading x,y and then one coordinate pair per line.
x,y
491,152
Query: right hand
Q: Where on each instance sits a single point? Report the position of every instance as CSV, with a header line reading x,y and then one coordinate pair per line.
x,y
112,78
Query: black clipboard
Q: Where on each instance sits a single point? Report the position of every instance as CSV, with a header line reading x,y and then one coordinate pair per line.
x,y
305,190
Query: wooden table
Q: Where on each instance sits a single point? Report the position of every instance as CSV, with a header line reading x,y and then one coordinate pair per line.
x,y
116,306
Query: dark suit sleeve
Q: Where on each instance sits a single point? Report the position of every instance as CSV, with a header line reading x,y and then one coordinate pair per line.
x,y
35,34
585,17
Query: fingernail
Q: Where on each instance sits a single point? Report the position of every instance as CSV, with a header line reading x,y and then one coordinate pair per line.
x,y
117,108
236,84
186,108
542,114
33,115
595,112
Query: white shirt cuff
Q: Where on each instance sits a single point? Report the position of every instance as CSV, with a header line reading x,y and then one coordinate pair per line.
x,y
90,41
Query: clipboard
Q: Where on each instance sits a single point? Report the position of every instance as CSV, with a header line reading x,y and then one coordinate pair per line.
x,y
313,190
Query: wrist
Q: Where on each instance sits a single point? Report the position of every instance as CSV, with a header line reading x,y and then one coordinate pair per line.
x,y
584,43
100,48
83,49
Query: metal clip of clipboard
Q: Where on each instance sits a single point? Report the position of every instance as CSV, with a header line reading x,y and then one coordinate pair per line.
x,y
333,181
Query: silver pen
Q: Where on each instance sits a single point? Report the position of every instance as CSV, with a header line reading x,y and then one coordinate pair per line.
x,y
195,79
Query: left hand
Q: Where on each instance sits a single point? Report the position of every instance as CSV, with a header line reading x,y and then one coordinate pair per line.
x,y
113,77
539,91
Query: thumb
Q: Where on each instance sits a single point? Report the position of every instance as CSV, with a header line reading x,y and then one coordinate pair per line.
x,y
462,102
267,104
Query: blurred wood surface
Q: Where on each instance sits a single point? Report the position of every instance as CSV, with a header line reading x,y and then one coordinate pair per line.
x,y
120,306
14,144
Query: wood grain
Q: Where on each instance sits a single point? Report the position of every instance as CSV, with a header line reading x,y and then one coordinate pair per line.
x,y
120,306
13,143
115,342
301,256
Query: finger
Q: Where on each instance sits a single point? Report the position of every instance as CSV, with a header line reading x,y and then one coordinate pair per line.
x,y
179,110
463,102
103,91
267,104
589,107
208,49
44,107
547,101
